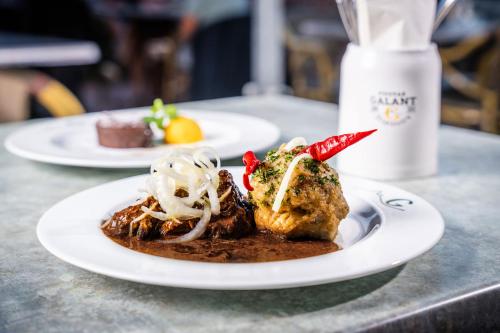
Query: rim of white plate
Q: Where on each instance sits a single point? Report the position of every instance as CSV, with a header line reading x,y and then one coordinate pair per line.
x,y
16,142
410,226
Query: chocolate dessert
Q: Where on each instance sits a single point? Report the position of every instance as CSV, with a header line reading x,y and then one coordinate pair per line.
x,y
113,133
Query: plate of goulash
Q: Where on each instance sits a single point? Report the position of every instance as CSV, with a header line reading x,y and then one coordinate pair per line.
x,y
287,220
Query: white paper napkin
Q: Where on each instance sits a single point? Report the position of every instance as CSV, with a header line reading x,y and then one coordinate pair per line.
x,y
395,24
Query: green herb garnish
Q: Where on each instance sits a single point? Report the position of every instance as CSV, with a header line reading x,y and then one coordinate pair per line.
x,y
160,112
289,156
152,120
311,165
270,190
272,155
265,174
332,179
327,179
250,198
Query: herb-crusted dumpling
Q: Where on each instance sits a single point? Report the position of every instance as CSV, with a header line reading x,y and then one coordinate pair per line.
x,y
313,204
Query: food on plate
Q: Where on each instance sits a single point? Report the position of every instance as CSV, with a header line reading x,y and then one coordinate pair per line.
x,y
258,246
193,209
183,130
145,219
188,197
114,133
295,192
310,204
179,129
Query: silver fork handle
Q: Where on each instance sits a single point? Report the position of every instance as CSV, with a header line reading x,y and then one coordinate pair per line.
x,y
443,11
346,20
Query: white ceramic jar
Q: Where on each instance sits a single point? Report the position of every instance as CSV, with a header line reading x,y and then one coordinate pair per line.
x,y
399,93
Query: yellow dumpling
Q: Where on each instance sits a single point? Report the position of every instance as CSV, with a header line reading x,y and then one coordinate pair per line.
x,y
313,204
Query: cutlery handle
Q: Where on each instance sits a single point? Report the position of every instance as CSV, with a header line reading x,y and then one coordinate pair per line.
x,y
347,17
445,7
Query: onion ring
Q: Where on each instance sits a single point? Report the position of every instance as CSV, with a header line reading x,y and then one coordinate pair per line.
x,y
191,170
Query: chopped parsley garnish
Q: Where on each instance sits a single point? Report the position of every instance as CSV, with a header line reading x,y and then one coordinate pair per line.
x,y
264,174
327,179
272,155
270,190
289,156
320,180
332,179
265,203
271,152
250,197
311,165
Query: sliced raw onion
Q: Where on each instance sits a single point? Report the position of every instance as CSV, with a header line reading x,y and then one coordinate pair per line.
x,y
286,179
191,170
295,142
225,194
214,200
197,231
156,215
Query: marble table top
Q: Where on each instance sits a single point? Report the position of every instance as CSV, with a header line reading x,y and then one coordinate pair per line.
x,y
451,286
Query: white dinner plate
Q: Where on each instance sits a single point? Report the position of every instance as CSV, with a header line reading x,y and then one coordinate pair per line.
x,y
73,140
385,228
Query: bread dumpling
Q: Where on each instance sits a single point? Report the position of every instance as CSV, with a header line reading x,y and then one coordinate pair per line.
x,y
313,204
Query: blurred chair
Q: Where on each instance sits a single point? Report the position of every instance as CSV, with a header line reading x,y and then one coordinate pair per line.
x,y
482,86
312,72
17,87
162,53
14,98
469,44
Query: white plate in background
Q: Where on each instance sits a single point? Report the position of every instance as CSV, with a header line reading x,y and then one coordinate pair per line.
x,y
73,140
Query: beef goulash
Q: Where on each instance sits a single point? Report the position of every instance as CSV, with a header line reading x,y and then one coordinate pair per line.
x,y
145,220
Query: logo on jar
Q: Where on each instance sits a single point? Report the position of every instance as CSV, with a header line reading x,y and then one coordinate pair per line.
x,y
393,108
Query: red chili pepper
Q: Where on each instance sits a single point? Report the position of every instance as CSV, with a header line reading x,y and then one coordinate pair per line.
x,y
251,163
323,150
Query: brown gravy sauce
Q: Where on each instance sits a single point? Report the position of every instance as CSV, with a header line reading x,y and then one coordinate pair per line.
x,y
258,247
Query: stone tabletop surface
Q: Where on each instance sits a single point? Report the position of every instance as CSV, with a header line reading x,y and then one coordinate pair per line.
x,y
40,293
